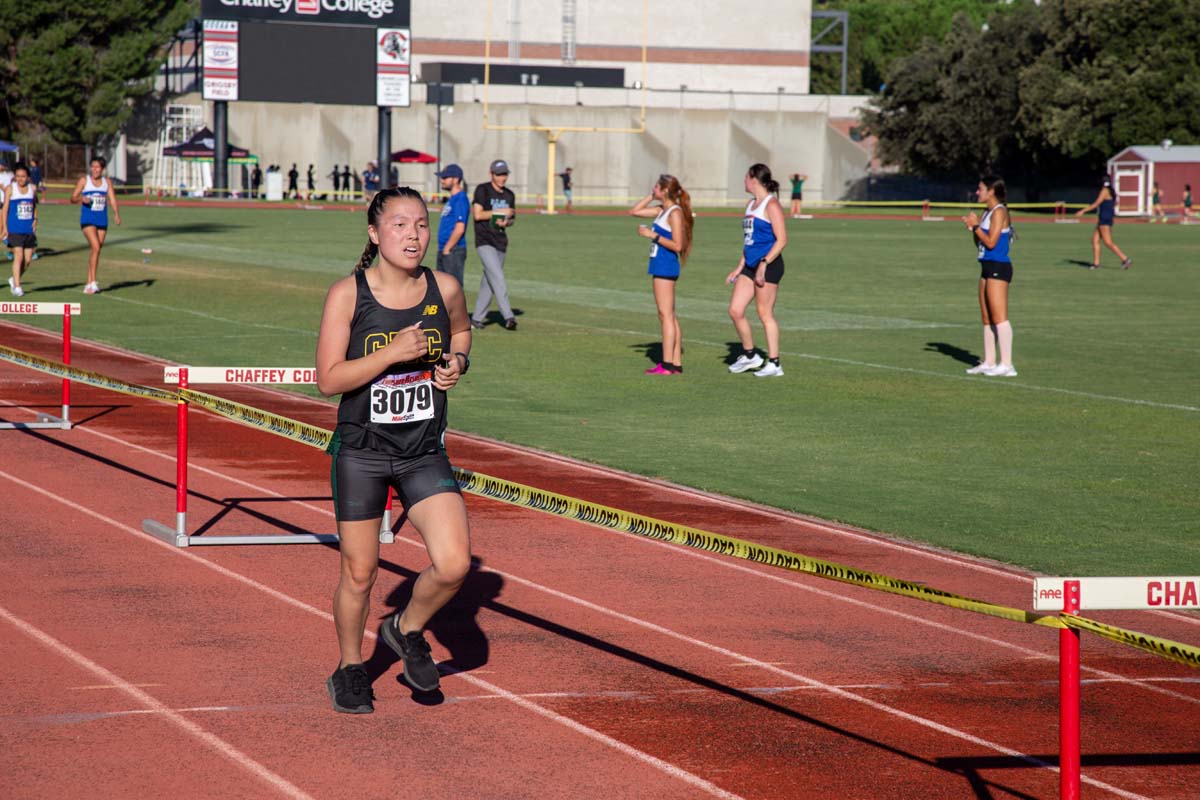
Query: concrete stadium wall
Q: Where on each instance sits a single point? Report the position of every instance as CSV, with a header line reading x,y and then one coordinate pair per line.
x,y
708,149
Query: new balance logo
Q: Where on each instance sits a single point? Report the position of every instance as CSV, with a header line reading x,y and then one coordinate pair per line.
x,y
429,311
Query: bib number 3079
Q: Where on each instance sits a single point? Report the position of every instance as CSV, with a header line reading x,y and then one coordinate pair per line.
x,y
397,399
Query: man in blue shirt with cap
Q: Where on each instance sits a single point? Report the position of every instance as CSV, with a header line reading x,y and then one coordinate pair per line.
x,y
452,230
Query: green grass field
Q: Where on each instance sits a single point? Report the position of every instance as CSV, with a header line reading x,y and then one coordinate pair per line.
x,y
1085,464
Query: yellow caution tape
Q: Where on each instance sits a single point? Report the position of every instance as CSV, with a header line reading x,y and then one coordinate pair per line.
x,y
1181,653
248,415
83,376
615,519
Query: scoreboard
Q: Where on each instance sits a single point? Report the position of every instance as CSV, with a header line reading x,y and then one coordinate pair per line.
x,y
353,52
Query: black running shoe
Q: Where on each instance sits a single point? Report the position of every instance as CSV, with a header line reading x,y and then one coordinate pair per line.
x,y
419,669
350,690
510,324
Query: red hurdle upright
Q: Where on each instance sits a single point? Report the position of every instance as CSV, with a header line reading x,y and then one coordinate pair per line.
x,y
45,420
1068,703
178,535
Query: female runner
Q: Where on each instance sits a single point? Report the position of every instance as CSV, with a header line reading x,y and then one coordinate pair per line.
x,y
394,339
1105,217
95,193
18,224
671,237
758,272
993,235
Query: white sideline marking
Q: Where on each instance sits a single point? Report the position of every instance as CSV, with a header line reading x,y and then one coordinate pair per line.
x,y
574,725
727,501
578,727
152,705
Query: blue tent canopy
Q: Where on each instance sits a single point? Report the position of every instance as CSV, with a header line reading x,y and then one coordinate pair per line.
x,y
8,147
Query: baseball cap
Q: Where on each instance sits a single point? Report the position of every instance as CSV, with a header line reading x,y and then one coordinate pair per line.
x,y
499,167
451,171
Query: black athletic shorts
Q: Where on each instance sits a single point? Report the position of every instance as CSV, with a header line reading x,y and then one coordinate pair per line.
x,y
361,479
774,270
996,270
23,240
798,195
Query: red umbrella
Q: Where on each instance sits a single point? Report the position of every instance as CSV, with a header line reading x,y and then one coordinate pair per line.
x,y
408,156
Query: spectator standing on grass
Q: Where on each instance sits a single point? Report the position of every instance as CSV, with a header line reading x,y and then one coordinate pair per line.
x,y
370,180
452,229
494,209
94,193
1187,202
18,223
6,179
346,173
394,340
1157,213
670,238
566,181
337,181
797,193
37,178
1106,214
256,177
993,236
758,273
293,189
310,182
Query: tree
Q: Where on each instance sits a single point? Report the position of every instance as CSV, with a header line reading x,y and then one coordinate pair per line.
x,y
882,31
1047,92
71,69
1114,73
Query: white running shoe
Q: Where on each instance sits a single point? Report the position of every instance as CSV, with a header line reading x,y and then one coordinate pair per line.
x,y
1002,371
743,363
91,288
980,369
17,291
770,370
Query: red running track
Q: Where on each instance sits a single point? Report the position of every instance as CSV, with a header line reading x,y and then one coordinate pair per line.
x,y
578,662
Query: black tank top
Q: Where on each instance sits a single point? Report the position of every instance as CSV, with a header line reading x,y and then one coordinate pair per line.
x,y
399,412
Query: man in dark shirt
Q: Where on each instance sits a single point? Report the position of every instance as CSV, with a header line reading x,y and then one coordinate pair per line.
x,y
494,210
255,181
566,179
293,189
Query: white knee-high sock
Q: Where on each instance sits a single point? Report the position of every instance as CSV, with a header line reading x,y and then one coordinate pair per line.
x,y
989,344
1004,333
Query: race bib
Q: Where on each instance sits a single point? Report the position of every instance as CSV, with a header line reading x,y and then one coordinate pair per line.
x,y
398,399
99,202
747,231
653,250
25,211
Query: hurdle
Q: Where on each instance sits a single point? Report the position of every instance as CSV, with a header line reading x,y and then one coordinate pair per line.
x,y
925,215
1070,596
1062,216
67,310
178,535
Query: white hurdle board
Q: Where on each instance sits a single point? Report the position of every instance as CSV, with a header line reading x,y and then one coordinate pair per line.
x,y
65,310
1120,593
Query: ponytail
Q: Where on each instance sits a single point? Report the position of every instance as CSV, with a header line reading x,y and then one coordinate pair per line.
x,y
368,256
762,174
675,193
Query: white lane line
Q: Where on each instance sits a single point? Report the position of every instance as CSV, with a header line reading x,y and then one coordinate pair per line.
x,y
579,727
111,686
911,370
152,705
725,564
878,539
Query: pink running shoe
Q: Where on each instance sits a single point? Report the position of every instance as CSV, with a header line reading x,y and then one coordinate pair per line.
x,y
659,369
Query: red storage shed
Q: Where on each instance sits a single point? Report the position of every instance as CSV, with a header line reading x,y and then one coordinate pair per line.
x,y
1135,169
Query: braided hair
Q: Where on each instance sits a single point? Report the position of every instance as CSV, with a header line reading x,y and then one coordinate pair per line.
x,y
374,210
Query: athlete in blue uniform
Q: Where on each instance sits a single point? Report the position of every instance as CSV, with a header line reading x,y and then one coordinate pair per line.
x,y
18,224
1106,206
758,272
993,236
394,339
94,193
670,238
